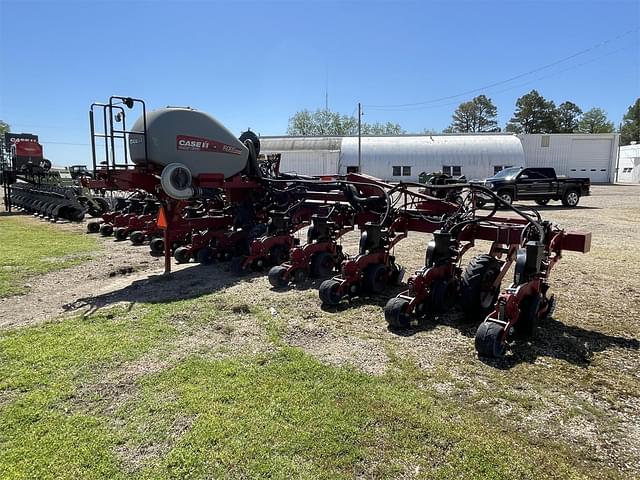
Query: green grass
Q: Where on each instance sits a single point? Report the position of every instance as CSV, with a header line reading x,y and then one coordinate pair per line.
x,y
277,414
30,248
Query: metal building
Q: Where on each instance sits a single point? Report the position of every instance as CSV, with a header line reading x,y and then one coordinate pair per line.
x,y
574,155
629,164
398,158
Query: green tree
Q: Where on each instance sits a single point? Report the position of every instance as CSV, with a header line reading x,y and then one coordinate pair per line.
x,y
320,122
534,114
595,121
4,127
326,122
567,117
477,115
377,128
630,128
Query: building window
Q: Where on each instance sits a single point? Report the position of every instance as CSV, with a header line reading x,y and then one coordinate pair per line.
x,y
406,171
497,169
352,169
397,171
545,140
452,170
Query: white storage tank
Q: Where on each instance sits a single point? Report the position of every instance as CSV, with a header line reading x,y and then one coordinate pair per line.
x,y
189,137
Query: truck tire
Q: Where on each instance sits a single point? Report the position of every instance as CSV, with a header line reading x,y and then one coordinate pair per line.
x,y
506,195
570,198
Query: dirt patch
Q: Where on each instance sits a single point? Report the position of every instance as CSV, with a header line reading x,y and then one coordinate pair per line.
x,y
110,268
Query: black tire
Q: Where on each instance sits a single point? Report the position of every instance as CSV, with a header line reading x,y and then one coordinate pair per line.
x,y
322,265
204,256
120,233
182,255
328,292
137,237
443,296
375,278
527,324
571,198
506,196
237,265
156,246
489,340
93,227
299,276
397,274
277,277
278,254
477,295
395,313
106,230
542,201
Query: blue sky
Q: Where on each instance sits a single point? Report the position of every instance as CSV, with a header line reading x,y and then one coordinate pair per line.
x,y
254,64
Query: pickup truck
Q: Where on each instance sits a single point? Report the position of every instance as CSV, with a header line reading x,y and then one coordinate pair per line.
x,y
539,184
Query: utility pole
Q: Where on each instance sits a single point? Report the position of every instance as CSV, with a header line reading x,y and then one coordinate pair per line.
x,y
359,138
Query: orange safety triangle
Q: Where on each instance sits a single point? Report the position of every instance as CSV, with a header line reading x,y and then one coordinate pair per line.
x,y
162,219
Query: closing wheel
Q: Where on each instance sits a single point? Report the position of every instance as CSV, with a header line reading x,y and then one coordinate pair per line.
x,y
157,246
395,313
106,229
278,254
299,276
397,274
375,278
477,292
93,227
329,292
237,265
443,296
489,340
570,198
277,276
204,256
120,233
182,255
137,237
527,323
322,264
542,201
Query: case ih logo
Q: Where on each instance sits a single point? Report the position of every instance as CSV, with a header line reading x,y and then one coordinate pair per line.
x,y
197,144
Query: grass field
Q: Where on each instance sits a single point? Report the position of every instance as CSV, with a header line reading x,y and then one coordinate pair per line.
x,y
205,375
29,249
97,398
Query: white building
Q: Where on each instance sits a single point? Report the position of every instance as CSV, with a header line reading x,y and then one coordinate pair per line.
x,y
629,164
574,154
476,156
398,158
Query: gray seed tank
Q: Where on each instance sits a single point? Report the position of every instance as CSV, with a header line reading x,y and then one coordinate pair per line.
x,y
191,138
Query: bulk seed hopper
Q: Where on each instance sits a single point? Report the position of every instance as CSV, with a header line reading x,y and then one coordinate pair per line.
x,y
217,199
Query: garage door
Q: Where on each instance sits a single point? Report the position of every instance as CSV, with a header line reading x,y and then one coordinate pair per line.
x,y
590,158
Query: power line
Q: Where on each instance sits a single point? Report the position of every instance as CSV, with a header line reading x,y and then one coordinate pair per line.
x,y
501,82
419,106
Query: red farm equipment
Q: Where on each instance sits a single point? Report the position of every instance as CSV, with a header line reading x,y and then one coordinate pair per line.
x,y
217,199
